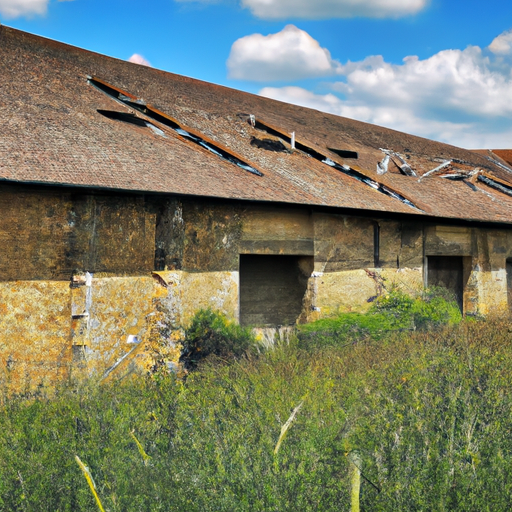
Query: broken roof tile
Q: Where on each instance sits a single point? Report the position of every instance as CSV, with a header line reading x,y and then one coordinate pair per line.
x,y
52,134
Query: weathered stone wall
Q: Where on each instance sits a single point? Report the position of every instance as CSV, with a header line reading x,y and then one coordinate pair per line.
x,y
49,233
272,230
357,259
197,236
83,277
485,252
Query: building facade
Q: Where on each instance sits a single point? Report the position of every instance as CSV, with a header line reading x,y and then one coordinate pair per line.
x,y
131,198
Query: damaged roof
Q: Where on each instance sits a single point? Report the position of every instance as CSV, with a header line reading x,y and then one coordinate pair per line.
x,y
76,118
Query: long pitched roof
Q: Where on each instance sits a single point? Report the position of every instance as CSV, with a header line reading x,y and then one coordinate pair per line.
x,y
76,118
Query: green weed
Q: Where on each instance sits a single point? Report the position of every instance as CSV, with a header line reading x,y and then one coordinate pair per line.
x,y
211,334
428,413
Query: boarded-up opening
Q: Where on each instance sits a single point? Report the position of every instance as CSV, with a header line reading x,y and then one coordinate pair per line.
x,y
448,272
509,284
272,288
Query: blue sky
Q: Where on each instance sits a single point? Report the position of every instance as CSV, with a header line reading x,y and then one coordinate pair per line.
x,y
441,69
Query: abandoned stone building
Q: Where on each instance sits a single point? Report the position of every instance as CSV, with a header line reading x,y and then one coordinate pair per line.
x,y
132,197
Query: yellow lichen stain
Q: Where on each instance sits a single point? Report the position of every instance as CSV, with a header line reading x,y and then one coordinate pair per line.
x,y
491,290
161,350
343,291
214,290
35,348
407,280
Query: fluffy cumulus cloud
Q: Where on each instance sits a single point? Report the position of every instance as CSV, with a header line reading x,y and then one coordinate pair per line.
x,y
459,96
136,58
323,9
291,54
502,45
16,8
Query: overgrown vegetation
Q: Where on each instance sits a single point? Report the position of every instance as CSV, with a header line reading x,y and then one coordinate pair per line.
x,y
395,310
212,334
428,412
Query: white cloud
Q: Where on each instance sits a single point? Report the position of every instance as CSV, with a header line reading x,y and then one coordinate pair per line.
x,y
502,45
323,9
291,54
459,96
16,8
139,59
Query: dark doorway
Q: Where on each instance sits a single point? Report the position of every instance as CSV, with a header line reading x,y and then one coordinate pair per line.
x,y
448,272
272,288
509,283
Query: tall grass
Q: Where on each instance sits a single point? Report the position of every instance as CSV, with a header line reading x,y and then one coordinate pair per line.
x,y
429,415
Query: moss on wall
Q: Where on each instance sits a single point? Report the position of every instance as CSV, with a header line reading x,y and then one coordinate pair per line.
x,y
111,234
169,234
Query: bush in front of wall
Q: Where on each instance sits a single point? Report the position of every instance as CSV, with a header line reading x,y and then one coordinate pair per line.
x,y
211,333
391,312
434,307
344,329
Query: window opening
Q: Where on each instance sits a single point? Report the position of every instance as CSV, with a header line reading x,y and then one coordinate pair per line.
x,y
345,153
140,105
345,169
269,145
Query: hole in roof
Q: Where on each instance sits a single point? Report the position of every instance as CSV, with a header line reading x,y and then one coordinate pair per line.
x,y
127,117
345,169
399,161
269,145
344,153
497,185
140,105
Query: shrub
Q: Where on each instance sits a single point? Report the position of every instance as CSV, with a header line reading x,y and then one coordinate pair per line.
x,y
436,307
432,308
394,311
211,333
343,329
397,307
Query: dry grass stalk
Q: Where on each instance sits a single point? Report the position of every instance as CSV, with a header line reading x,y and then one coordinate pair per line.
x,y
90,481
286,426
145,457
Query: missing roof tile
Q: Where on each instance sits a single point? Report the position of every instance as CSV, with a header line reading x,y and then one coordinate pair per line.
x,y
404,167
444,165
345,169
496,184
499,164
140,105
127,117
269,145
344,153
